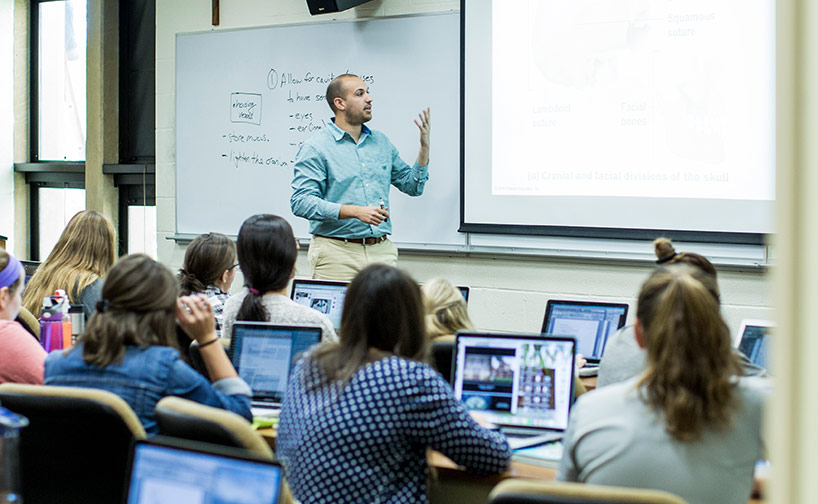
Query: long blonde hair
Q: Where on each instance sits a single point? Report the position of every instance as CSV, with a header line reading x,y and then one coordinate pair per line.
x,y
85,252
690,362
446,311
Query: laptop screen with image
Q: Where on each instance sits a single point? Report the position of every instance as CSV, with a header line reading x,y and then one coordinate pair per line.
x,y
264,353
324,296
591,323
754,341
165,472
516,380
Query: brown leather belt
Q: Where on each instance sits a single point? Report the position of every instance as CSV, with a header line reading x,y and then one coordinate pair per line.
x,y
363,241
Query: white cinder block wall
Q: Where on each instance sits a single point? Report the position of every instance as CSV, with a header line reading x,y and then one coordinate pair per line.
x,y
507,292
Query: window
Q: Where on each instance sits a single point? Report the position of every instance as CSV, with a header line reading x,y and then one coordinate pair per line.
x,y
56,207
142,230
61,104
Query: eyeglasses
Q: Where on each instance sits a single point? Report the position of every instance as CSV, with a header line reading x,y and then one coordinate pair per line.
x,y
234,266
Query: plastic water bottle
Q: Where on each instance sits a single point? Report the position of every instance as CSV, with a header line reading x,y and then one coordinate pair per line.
x,y
10,425
55,325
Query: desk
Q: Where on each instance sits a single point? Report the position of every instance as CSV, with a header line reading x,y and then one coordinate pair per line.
x,y
452,484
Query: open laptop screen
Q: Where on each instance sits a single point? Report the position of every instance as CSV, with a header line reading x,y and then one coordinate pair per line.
x,y
324,296
754,342
516,380
591,323
264,353
185,472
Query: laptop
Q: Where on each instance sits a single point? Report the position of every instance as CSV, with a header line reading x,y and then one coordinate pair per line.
x,y
263,355
590,322
753,341
521,383
464,290
177,471
325,296
30,267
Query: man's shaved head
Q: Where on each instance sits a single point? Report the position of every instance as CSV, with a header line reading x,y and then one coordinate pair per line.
x,y
337,89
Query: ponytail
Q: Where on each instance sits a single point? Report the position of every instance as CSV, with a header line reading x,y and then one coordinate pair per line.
x,y
691,364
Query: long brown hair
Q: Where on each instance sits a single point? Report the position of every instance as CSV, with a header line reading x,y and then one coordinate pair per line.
x,y
85,252
138,307
383,315
690,363
206,259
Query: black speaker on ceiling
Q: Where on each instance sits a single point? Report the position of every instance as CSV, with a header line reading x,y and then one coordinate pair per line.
x,y
325,6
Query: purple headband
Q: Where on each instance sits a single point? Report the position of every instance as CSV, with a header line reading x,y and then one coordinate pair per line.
x,y
11,273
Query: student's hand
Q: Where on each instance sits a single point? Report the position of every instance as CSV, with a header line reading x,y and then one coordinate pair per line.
x,y
424,124
481,419
195,315
579,361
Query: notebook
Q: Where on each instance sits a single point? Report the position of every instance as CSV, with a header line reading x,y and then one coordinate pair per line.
x,y
263,355
175,471
521,383
753,341
325,296
590,322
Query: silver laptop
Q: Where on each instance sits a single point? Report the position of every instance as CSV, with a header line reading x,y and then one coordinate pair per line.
x,y
521,383
176,471
325,296
753,340
263,355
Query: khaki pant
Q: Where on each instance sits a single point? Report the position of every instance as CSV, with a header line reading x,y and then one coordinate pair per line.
x,y
337,260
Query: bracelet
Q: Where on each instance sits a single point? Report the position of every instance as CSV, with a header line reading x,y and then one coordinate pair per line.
x,y
202,345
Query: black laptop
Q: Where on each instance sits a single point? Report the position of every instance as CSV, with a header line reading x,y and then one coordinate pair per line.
x,y
590,322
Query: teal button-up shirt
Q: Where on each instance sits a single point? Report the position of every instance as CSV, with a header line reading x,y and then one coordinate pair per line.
x,y
332,170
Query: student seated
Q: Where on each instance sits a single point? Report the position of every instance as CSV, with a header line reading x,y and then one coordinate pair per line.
x,y
267,252
687,425
127,347
359,414
623,359
79,261
446,310
21,356
209,269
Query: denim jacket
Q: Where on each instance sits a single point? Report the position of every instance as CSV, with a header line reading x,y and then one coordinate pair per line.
x,y
146,375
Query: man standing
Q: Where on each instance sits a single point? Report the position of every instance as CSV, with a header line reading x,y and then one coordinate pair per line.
x,y
341,184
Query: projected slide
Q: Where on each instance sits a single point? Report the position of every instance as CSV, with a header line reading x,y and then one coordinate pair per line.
x,y
647,81
611,103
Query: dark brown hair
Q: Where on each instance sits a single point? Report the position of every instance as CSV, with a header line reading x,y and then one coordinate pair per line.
x,y
383,315
690,361
206,259
267,254
138,307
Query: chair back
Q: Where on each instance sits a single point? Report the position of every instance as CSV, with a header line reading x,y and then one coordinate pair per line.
x,y
75,448
186,419
442,351
196,361
29,322
521,491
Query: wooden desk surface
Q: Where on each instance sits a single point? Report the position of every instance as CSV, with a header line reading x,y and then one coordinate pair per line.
x,y
453,484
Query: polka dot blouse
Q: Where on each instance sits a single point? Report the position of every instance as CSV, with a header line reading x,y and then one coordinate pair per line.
x,y
366,442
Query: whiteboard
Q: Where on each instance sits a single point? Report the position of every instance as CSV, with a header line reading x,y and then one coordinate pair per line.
x,y
247,99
